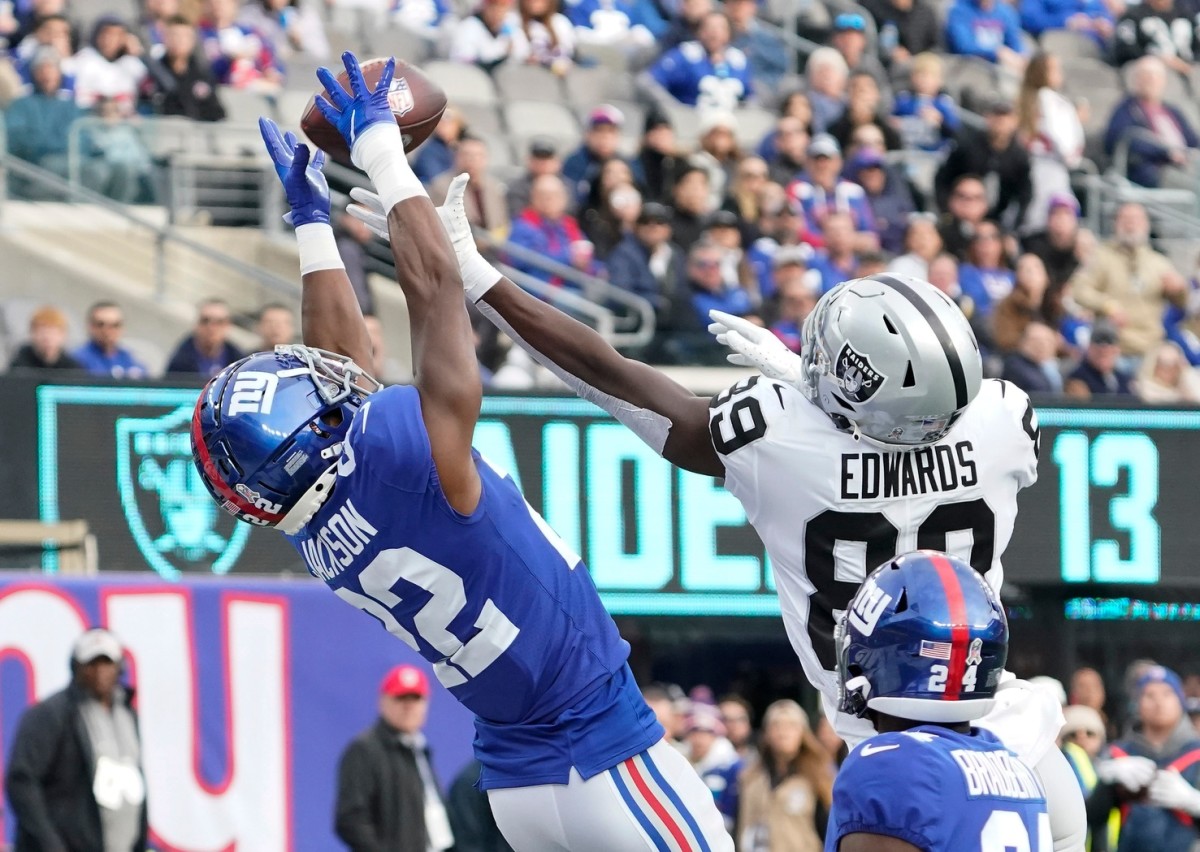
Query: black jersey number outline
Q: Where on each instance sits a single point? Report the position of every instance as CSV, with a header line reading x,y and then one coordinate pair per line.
x,y
745,418
873,529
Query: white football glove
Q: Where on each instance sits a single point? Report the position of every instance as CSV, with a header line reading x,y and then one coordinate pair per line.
x,y
369,210
478,275
1171,790
755,346
1132,773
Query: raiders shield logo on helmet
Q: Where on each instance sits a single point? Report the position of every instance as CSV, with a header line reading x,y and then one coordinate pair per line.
x,y
858,379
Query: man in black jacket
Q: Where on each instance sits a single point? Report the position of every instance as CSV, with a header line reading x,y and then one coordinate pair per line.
x,y
388,799
180,81
74,775
998,158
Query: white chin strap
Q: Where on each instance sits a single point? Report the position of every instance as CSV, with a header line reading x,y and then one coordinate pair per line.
x,y
308,504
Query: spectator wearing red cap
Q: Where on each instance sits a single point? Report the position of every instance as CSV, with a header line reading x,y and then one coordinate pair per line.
x,y
388,797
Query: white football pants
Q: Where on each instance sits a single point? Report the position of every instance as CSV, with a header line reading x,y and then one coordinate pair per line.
x,y
653,801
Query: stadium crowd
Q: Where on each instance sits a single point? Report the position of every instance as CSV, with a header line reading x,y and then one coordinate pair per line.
x,y
756,230
1135,752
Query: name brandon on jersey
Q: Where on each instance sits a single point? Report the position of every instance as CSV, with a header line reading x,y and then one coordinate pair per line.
x,y
928,470
996,774
334,546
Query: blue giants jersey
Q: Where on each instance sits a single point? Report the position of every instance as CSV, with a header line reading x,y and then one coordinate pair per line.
x,y
941,791
504,610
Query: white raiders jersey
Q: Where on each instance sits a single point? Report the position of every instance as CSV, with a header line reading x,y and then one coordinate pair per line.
x,y
830,508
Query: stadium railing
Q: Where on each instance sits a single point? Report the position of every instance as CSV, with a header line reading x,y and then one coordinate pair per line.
x,y
23,543
1173,211
177,266
622,318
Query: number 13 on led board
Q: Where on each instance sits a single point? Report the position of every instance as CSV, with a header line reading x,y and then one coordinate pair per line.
x,y
1085,463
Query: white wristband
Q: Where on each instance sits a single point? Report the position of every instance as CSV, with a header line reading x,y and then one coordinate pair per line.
x,y
318,248
380,153
478,276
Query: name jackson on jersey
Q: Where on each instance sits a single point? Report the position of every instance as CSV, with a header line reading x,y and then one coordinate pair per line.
x,y
928,470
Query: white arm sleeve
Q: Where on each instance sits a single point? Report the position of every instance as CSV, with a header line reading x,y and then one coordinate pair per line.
x,y
650,426
1064,801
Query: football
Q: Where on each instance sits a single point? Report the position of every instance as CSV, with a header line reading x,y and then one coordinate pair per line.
x,y
417,102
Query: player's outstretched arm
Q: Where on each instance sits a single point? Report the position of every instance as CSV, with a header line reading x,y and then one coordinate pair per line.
x,y
664,414
443,343
329,311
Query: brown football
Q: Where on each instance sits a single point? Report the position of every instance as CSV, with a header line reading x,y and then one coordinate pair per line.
x,y
417,102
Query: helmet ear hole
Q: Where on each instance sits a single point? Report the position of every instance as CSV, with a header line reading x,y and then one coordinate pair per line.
x,y
842,402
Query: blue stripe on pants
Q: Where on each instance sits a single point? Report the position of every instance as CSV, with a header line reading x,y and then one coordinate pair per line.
x,y
659,843
676,801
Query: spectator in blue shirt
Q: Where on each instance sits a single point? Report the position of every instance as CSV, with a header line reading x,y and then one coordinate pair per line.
x,y
822,191
767,53
797,289
988,29
629,24
707,73
1090,17
206,350
838,261
103,354
1161,141
711,289
985,278
545,227
926,116
599,145
1098,372
888,194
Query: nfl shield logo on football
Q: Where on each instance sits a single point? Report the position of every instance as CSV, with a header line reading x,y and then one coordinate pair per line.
x,y
858,378
400,97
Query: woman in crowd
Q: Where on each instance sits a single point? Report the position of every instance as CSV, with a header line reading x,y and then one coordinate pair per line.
x,y
549,33
1051,129
1166,378
785,794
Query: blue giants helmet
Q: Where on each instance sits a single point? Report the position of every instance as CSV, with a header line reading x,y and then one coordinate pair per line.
x,y
267,432
924,638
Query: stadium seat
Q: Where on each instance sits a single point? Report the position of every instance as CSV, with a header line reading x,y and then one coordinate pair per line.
x,y
483,121
970,81
526,119
686,122
243,106
1101,104
1082,76
290,106
587,87
405,44
528,83
606,56
753,123
1067,44
462,83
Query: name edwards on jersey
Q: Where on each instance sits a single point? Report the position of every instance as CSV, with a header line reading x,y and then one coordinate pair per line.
x,y
908,473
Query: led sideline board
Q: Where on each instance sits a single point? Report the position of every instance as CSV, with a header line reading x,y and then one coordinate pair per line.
x,y
1114,503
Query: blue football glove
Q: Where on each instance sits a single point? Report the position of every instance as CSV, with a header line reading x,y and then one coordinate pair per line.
x,y
303,182
352,114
